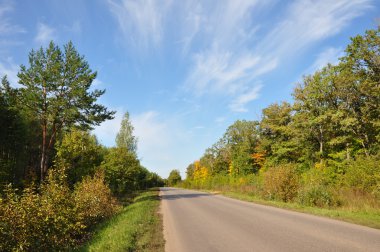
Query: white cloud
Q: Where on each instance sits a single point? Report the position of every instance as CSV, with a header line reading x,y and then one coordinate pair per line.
x,y
10,69
192,25
307,22
141,22
220,71
6,26
235,59
75,27
238,105
330,55
45,34
151,132
97,83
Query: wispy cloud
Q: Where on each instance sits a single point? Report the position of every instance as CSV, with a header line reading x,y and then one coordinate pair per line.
x,y
151,132
45,34
6,26
10,69
238,105
240,59
330,55
307,22
220,71
75,27
141,22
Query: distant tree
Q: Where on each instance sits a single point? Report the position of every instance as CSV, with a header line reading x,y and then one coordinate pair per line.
x,y
56,91
123,170
190,171
125,137
174,178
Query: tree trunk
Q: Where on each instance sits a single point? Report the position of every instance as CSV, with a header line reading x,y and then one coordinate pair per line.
x,y
43,153
321,143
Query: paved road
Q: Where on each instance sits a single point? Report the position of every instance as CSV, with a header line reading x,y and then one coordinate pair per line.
x,y
195,222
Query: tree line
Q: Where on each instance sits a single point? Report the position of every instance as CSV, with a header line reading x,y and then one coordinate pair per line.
x,y
327,140
56,180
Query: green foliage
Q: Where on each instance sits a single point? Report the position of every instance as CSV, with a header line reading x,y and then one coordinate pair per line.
x,y
364,174
52,217
93,199
56,91
277,134
241,139
326,142
80,153
174,178
281,182
123,170
319,196
13,136
39,221
125,138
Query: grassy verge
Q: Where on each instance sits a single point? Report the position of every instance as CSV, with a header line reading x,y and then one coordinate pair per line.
x,y
366,216
138,227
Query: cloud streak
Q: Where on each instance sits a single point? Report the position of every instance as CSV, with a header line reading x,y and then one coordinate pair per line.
x,y
238,104
141,22
6,26
45,34
235,65
227,47
10,70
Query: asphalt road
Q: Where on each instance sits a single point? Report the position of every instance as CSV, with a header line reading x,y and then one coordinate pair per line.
x,y
195,222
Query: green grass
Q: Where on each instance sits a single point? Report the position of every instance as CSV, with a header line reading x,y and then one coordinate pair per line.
x,y
138,227
365,216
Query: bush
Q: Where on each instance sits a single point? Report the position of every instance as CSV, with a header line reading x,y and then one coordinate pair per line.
x,y
93,199
364,174
318,196
281,182
36,221
52,217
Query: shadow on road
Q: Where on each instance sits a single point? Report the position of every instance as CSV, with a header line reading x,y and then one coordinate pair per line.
x,y
182,195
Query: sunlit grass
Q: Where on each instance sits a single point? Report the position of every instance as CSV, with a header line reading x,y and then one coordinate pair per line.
x,y
138,227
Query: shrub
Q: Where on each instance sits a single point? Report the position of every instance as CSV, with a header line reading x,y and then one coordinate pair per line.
x,y
281,182
52,217
94,200
318,196
36,221
364,174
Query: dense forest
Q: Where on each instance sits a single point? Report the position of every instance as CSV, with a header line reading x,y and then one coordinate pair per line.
x,y
56,180
322,150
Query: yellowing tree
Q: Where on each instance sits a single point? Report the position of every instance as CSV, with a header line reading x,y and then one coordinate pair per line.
x,y
200,172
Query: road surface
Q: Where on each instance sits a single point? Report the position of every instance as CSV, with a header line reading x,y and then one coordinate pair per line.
x,y
196,221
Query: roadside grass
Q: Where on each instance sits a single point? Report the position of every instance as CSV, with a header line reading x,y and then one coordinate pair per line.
x,y
366,216
138,227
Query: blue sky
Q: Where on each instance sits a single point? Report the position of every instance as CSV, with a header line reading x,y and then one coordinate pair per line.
x,y
185,70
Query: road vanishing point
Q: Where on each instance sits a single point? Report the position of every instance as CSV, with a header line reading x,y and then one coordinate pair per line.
x,y
196,221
